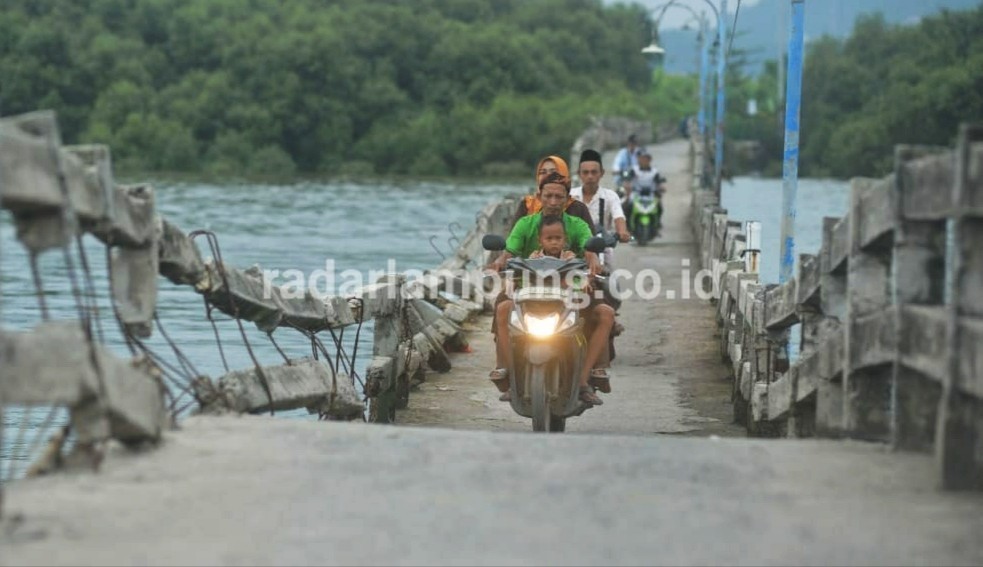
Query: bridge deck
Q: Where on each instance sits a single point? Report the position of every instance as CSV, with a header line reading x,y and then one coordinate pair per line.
x,y
256,490
667,376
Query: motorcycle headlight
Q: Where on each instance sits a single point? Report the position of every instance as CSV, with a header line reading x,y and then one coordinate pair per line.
x,y
514,321
568,322
541,326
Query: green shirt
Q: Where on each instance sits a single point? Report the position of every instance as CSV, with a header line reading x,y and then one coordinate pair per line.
x,y
524,238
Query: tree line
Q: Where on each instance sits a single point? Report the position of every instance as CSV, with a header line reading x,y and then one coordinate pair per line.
x,y
448,87
357,87
881,86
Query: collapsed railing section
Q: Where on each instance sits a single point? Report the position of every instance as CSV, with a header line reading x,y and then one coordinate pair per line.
x,y
418,321
891,313
57,193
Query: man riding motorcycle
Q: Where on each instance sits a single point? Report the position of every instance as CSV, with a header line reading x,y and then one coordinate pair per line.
x,y
624,169
647,181
522,242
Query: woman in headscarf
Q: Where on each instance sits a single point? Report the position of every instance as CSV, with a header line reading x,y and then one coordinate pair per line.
x,y
531,204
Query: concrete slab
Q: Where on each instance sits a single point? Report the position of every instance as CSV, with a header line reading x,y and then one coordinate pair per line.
x,y
256,490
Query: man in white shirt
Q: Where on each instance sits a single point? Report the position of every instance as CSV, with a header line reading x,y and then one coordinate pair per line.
x,y
592,194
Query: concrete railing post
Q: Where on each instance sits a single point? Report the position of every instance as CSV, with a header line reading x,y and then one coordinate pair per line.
x,y
918,280
959,433
390,330
833,303
867,374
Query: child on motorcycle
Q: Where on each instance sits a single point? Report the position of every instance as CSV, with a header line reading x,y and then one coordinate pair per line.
x,y
553,242
553,239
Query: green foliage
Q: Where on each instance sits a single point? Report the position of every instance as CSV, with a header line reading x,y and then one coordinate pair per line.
x,y
888,85
883,85
350,87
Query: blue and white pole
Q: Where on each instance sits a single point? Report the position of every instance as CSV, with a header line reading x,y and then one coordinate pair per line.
x,y
704,69
790,165
721,79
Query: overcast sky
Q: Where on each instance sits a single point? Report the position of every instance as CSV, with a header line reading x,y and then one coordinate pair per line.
x,y
676,17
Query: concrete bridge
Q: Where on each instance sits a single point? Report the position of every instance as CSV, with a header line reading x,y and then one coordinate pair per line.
x,y
661,474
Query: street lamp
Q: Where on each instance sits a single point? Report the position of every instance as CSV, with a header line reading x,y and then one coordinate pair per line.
x,y
653,51
720,16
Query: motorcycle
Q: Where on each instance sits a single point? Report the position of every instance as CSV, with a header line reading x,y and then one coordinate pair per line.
x,y
646,214
546,337
624,184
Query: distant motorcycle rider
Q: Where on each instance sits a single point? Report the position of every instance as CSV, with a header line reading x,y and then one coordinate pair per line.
x,y
624,165
646,180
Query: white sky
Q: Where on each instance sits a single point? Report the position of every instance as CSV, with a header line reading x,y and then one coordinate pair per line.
x,y
675,17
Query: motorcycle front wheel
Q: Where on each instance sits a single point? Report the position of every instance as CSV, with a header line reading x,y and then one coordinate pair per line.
x,y
558,424
540,401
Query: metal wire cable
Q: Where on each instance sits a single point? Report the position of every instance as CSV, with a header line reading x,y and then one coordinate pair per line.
x,y
186,363
218,339
90,289
220,266
733,28
358,330
269,335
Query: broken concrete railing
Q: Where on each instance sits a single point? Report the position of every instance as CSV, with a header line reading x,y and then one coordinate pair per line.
x,y
55,364
417,321
890,313
54,194
304,383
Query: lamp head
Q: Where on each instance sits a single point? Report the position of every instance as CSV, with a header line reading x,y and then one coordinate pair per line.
x,y
653,50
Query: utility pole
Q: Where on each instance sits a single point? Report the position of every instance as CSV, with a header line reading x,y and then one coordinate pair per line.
x,y
721,100
704,67
790,164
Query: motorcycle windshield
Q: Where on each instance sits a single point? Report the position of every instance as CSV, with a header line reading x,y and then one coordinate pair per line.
x,y
545,266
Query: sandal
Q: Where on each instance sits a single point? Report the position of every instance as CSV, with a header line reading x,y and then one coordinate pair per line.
x,y
500,377
589,397
599,379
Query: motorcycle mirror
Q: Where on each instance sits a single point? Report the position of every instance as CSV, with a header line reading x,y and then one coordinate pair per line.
x,y
595,244
493,242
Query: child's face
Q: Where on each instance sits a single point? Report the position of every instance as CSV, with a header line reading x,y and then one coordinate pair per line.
x,y
552,239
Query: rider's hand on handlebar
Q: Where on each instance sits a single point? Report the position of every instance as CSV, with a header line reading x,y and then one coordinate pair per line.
x,y
593,265
588,287
623,236
494,268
